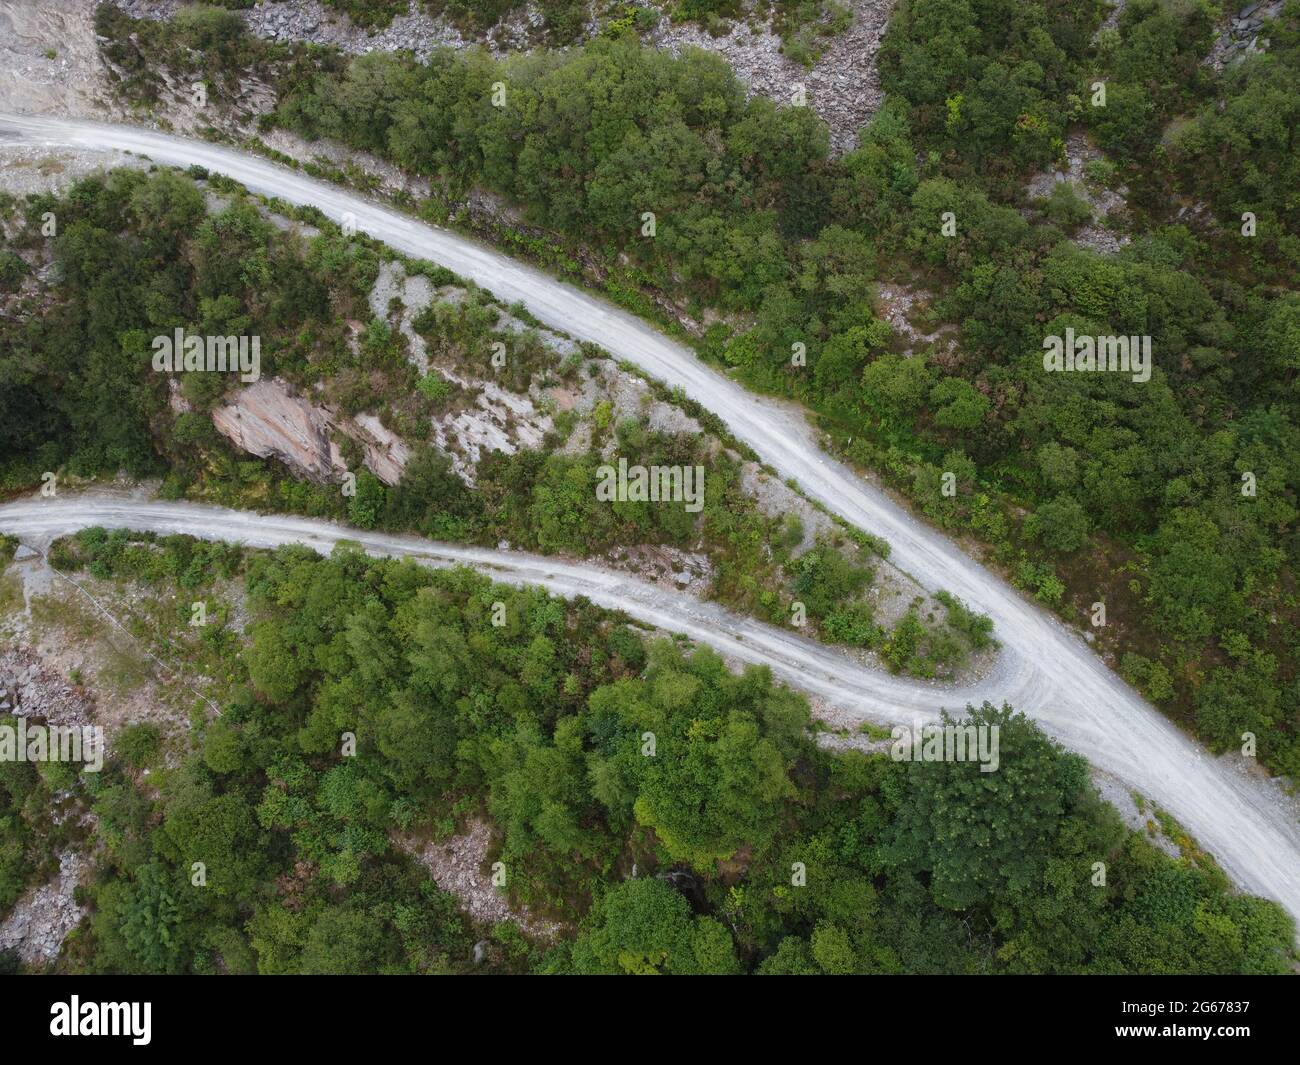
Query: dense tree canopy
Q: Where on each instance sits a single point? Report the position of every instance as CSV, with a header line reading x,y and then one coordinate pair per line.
x,y
1171,501
678,816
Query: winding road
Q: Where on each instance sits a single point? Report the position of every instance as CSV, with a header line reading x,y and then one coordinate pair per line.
x,y
803,663
1044,669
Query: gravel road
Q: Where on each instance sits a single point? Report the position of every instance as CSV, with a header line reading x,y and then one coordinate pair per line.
x,y
1045,669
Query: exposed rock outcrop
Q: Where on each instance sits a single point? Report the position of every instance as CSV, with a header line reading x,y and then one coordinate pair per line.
x,y
843,85
49,60
267,420
42,918
457,865
1243,33
386,452
30,690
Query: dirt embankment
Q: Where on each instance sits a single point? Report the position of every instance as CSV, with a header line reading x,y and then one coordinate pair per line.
x,y
49,58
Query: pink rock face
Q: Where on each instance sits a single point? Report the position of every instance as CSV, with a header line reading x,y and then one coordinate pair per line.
x,y
267,420
386,452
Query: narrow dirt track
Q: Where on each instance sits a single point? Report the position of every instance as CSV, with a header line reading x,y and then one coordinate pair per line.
x,y
803,663
1044,669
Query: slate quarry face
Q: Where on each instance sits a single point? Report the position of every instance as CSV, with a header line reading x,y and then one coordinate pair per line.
x,y
267,420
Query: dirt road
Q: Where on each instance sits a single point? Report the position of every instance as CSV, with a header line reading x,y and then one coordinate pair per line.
x,y
1045,669
1219,794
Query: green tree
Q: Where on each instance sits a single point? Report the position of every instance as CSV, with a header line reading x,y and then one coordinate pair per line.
x,y
984,835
